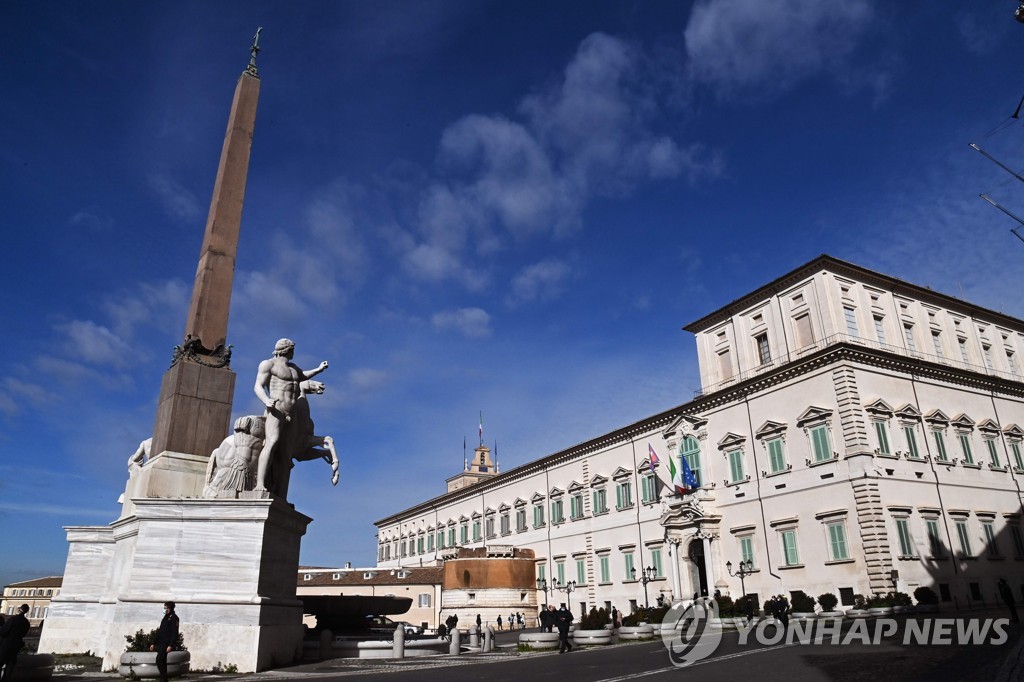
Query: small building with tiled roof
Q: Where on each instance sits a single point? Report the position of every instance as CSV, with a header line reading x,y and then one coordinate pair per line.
x,y
37,593
421,584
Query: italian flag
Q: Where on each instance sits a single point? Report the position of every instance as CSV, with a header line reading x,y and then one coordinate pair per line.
x,y
677,476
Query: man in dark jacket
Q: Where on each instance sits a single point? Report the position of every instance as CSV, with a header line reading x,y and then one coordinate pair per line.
x,y
12,639
563,618
166,638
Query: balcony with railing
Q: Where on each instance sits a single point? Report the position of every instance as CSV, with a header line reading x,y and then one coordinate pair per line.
x,y
836,339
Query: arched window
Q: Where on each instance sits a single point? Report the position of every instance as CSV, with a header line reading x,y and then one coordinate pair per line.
x,y
690,451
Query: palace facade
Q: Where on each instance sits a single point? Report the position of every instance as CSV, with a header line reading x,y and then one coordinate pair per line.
x,y
854,434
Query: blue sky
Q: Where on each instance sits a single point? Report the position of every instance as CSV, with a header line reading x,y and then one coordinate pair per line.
x,y
463,206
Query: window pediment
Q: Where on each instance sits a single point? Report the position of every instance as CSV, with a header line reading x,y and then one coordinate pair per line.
x,y
476,515
597,481
503,507
684,424
813,415
937,417
1014,431
962,421
621,473
489,511
556,492
537,497
645,466
463,518
989,426
879,408
770,429
909,412
575,486
731,440
520,502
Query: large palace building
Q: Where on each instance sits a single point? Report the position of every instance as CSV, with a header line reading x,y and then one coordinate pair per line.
x,y
854,434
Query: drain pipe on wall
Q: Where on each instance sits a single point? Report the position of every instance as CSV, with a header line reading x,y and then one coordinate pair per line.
x,y
760,500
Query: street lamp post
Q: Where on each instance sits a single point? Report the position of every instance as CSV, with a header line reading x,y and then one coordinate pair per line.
x,y
542,586
746,568
649,574
568,587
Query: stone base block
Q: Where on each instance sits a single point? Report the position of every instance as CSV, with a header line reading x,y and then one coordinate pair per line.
x,y
229,565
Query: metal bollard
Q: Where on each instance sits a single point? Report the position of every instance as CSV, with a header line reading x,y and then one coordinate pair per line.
x,y
326,640
488,639
398,650
456,645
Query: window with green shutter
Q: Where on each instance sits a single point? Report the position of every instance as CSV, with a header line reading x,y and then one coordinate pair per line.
x,y
820,443
940,446
747,550
882,435
934,537
910,434
581,572
905,538
606,574
993,454
965,448
964,537
1017,458
576,506
560,572
789,550
736,466
690,451
629,565
837,541
776,456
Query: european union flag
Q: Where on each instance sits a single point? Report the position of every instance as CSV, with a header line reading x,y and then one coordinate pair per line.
x,y
689,478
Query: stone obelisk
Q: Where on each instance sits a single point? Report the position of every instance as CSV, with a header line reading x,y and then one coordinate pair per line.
x,y
194,409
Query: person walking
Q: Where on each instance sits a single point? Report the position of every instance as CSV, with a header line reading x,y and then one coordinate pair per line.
x,y
499,623
12,639
479,622
1007,594
166,638
521,619
564,621
542,619
749,608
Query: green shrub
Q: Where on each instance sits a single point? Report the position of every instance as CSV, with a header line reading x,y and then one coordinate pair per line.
x,y
655,614
901,599
740,607
828,601
142,640
926,595
801,602
860,602
726,607
595,620
632,620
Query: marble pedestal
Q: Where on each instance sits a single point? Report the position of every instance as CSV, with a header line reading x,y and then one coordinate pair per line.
x,y
229,565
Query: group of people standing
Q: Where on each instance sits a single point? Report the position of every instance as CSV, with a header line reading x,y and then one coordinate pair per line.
x,y
778,606
515,621
562,619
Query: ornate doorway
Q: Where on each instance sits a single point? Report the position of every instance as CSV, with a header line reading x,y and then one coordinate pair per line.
x,y
698,569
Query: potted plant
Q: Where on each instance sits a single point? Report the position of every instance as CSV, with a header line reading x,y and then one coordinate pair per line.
x,y
802,605
927,600
880,605
138,661
828,602
902,603
860,607
591,629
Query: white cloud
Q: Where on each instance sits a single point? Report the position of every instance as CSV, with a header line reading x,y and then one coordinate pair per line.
x,y
160,304
93,219
16,394
471,322
540,281
501,182
94,344
762,47
178,201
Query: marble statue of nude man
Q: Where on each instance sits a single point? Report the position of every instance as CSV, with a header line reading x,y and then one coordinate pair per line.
x,y
278,386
